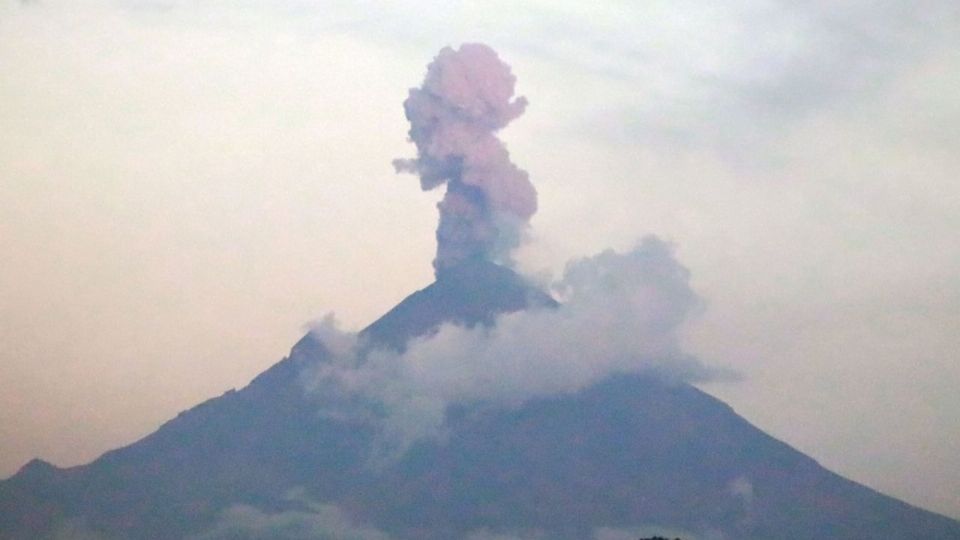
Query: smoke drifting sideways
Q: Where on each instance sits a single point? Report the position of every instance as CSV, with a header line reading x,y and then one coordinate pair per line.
x,y
465,98
619,313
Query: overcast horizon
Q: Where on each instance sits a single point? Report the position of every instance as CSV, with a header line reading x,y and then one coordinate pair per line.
x,y
186,186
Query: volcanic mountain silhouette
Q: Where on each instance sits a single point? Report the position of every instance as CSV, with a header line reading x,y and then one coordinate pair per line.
x,y
627,452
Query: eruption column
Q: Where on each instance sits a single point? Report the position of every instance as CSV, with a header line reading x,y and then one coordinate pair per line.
x,y
466,97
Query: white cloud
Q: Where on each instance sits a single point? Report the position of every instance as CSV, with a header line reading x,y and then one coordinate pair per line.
x,y
309,521
648,531
620,313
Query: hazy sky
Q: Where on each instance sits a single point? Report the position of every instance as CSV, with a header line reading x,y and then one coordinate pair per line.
x,y
184,185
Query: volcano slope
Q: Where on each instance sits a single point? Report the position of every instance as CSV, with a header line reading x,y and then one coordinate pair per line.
x,y
627,453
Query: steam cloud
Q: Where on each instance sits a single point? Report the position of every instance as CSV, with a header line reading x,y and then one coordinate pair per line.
x,y
620,313
466,97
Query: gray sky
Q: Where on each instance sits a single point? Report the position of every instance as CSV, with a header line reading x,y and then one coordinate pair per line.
x,y
185,184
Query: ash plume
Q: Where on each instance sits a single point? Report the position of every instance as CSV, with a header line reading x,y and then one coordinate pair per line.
x,y
618,313
465,98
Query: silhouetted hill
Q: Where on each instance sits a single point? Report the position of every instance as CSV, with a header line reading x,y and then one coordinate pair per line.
x,y
628,452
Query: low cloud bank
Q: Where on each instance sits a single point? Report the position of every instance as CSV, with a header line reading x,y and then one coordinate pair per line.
x,y
315,521
619,313
649,531
309,521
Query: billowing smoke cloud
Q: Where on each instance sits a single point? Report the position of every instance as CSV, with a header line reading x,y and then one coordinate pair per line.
x,y
466,97
620,313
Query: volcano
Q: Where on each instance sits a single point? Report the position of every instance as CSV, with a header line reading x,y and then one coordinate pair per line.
x,y
614,442
627,453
